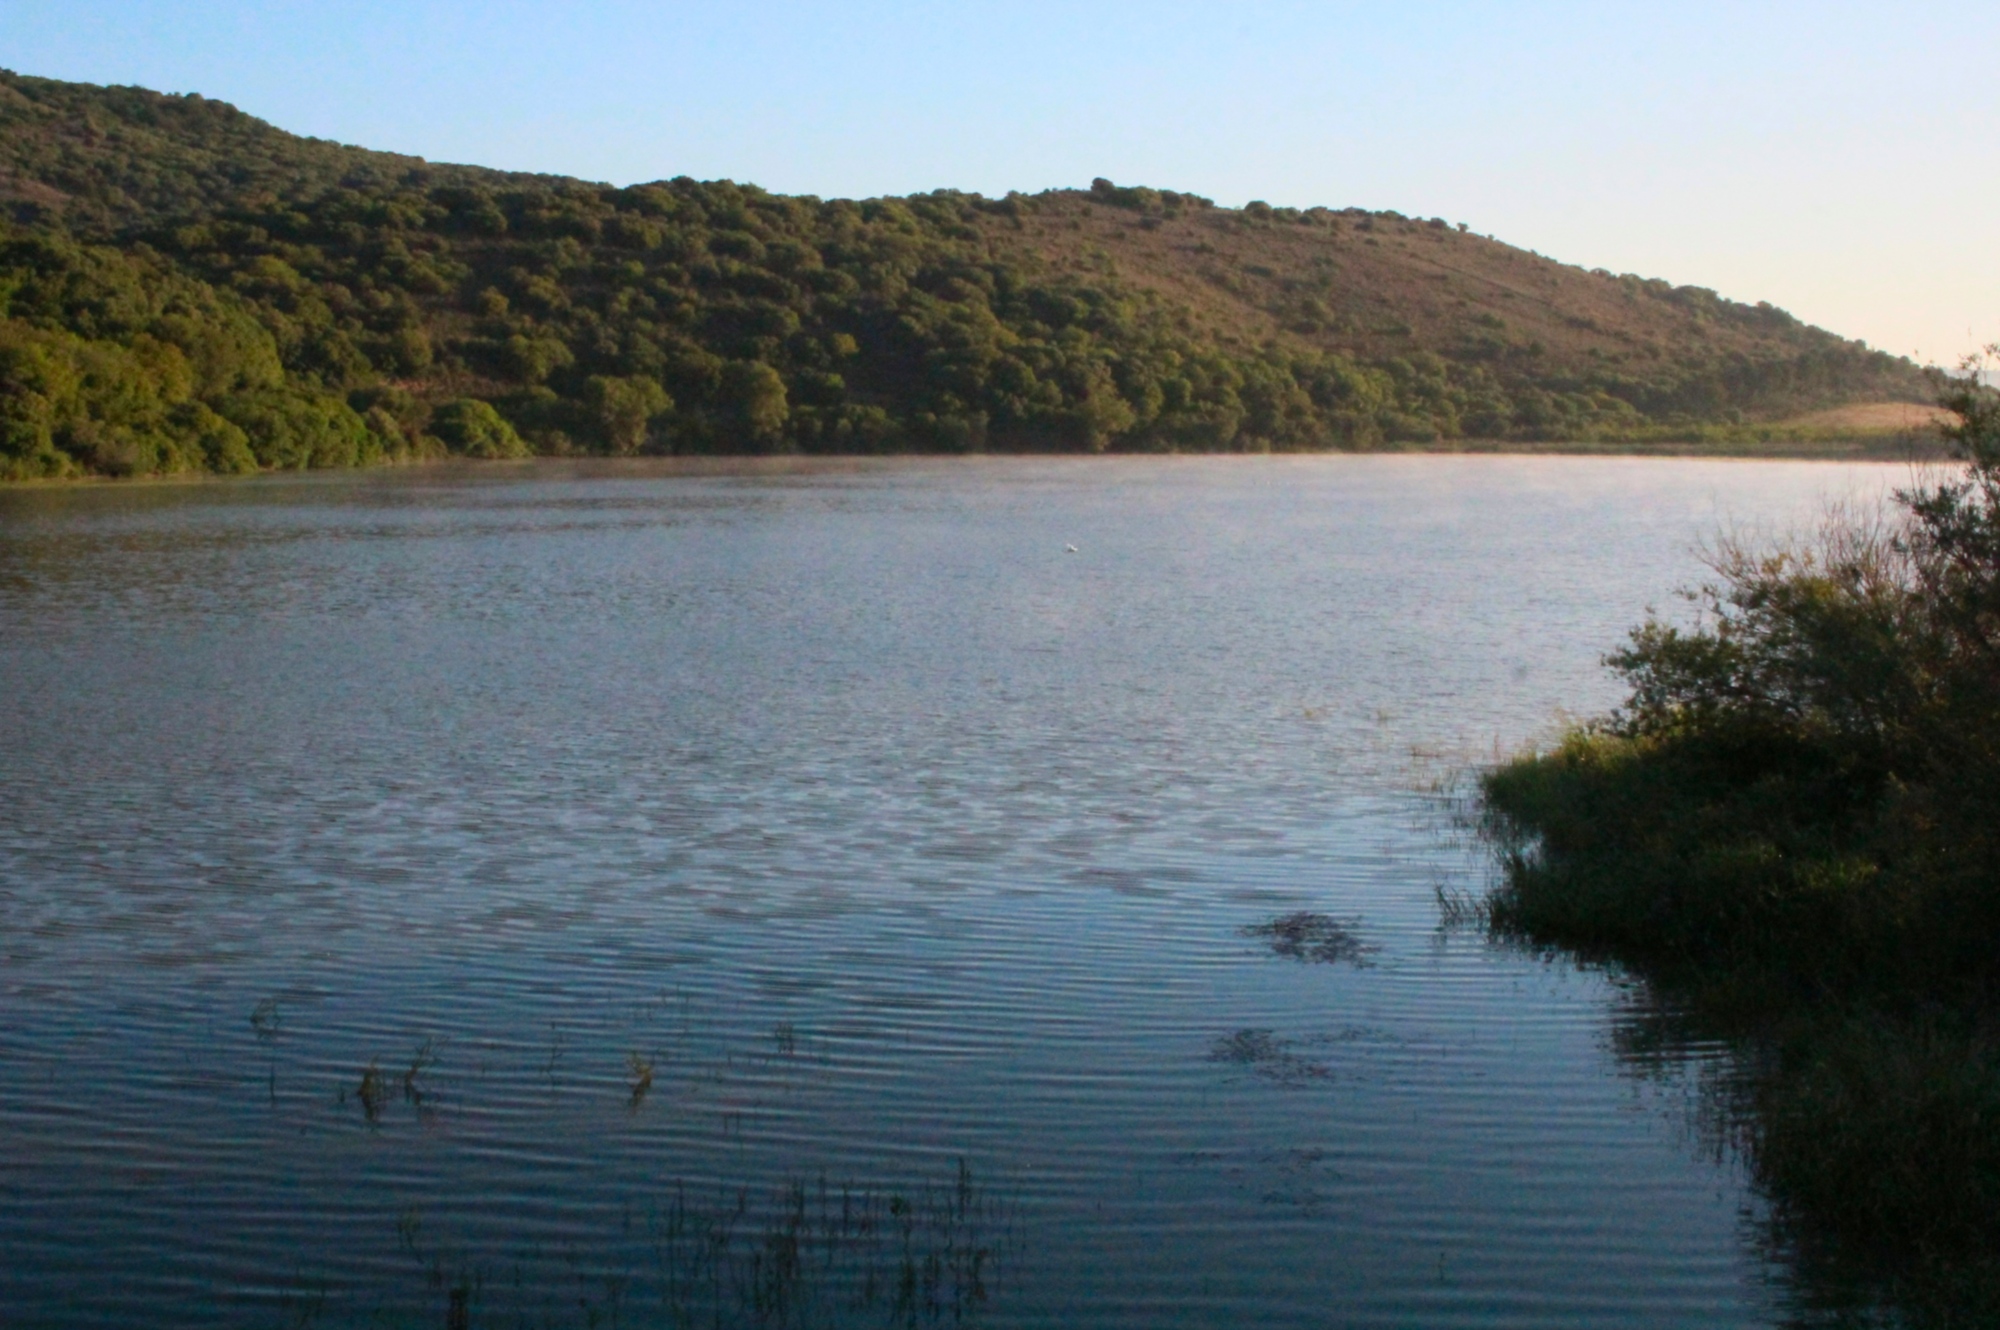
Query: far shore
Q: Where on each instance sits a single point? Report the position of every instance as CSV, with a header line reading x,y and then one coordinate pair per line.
x,y
1908,447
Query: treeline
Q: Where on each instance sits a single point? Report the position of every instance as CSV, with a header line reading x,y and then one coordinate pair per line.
x,y
191,290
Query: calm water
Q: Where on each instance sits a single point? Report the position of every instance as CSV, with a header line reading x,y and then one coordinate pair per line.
x,y
819,897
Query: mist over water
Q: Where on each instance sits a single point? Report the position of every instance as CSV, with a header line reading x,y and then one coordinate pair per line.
x,y
817,896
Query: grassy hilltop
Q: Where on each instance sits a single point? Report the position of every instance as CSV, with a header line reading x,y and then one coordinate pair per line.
x,y
184,287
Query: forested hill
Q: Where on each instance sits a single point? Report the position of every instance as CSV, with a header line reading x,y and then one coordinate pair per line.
x,y
184,287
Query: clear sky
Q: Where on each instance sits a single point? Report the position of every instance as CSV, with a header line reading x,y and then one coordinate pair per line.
x,y
1833,158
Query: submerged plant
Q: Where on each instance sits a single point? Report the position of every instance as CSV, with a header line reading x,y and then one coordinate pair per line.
x,y
1305,936
1265,1055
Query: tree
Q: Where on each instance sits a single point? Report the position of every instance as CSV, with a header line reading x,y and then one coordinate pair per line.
x,y
754,395
474,428
625,407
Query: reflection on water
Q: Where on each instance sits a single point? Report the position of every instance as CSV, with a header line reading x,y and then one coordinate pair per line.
x,y
502,897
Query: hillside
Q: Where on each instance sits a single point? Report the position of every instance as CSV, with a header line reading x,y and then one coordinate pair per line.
x,y
185,287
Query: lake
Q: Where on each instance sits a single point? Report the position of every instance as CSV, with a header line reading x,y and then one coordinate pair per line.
x,y
820,895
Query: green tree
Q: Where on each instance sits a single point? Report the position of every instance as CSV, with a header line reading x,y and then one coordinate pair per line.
x,y
753,394
533,359
625,408
292,429
474,429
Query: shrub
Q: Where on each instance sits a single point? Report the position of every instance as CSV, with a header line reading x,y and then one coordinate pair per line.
x,y
474,429
625,408
297,429
1792,827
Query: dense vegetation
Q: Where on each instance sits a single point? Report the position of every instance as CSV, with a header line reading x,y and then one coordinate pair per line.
x,y
1792,827
183,287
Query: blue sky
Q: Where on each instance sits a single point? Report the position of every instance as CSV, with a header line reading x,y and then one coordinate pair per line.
x,y
1832,158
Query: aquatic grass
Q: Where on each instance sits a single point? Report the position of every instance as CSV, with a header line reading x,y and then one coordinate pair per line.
x,y
266,1019
812,1253
1306,936
1867,1071
638,1079
421,1061
373,1093
1459,907
554,1063
1680,850
1264,1054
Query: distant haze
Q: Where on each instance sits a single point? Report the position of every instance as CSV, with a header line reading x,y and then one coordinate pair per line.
x,y
1830,158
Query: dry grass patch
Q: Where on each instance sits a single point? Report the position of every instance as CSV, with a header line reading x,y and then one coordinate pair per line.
x,y
1872,418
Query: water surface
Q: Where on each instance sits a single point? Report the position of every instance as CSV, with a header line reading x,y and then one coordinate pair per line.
x,y
820,896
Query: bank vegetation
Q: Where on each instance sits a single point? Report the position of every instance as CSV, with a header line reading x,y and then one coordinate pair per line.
x,y
1791,830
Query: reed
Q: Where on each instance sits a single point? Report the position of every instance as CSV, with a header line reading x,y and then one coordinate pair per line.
x,y
638,1079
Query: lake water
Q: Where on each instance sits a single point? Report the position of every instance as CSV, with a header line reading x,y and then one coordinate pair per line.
x,y
818,896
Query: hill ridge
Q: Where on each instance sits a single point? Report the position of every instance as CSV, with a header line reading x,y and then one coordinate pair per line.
x,y
183,286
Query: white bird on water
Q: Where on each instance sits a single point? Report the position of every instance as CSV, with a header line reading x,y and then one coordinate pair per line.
x,y
1069,549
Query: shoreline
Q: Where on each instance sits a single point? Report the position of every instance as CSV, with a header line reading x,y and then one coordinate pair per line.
x,y
1891,449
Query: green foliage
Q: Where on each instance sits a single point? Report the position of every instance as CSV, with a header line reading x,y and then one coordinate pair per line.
x,y
474,428
626,408
753,394
295,429
1793,826
1807,776
699,317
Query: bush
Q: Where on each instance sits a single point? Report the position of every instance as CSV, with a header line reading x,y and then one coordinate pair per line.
x,y
1806,777
296,429
625,408
1792,828
473,428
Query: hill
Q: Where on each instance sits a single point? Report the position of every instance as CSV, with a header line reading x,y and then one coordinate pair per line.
x,y
184,287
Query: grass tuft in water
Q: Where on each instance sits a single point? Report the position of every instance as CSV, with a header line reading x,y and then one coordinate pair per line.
x,y
805,1253
1267,1056
421,1061
373,1092
1305,936
638,1079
